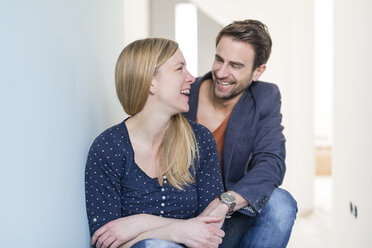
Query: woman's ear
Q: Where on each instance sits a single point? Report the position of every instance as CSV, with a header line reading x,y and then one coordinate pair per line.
x,y
152,87
152,90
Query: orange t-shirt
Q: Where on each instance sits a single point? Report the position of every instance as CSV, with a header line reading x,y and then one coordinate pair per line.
x,y
219,136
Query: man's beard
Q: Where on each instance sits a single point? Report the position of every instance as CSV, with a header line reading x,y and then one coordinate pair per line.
x,y
234,93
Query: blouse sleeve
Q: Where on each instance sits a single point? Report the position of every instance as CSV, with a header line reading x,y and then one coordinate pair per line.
x,y
208,173
102,184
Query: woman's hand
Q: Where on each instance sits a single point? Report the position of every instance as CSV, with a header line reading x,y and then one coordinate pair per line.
x,y
122,230
199,232
117,232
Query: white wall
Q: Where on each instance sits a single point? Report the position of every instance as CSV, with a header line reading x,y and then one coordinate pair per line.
x,y
136,20
352,164
56,94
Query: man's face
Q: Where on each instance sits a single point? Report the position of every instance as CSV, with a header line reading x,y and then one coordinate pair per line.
x,y
232,68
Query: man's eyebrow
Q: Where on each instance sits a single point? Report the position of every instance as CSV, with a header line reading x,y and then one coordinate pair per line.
x,y
237,64
233,63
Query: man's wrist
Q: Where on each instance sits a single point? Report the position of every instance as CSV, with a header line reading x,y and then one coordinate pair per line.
x,y
229,200
241,202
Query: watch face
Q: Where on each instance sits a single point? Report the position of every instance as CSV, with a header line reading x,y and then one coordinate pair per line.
x,y
227,197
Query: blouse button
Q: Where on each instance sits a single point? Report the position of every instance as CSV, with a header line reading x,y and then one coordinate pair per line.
x,y
161,212
95,220
162,189
165,181
163,197
164,177
162,204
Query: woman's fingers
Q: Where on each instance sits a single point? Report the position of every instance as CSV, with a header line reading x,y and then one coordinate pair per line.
x,y
116,244
97,234
109,241
102,239
216,239
210,219
215,230
219,232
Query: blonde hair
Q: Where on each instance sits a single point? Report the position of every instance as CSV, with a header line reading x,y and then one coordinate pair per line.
x,y
135,69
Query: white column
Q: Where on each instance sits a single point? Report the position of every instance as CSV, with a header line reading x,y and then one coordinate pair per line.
x,y
136,20
352,163
298,101
186,34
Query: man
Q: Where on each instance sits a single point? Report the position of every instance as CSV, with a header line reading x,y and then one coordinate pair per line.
x,y
244,116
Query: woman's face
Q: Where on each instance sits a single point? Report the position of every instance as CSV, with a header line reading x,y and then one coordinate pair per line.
x,y
172,84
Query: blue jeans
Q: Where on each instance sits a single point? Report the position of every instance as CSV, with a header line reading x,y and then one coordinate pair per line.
x,y
156,243
271,228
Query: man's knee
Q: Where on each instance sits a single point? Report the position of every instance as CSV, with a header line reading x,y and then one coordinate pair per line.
x,y
281,208
282,198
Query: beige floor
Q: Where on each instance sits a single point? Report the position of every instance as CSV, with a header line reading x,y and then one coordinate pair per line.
x,y
314,231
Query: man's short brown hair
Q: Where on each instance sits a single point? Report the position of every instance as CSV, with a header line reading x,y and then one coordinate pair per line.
x,y
253,32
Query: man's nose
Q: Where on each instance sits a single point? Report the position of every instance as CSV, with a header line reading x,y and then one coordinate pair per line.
x,y
222,71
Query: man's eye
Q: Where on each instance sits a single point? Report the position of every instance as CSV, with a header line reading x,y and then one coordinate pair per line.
x,y
236,66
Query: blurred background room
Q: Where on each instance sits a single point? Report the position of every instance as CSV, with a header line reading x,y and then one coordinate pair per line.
x,y
57,93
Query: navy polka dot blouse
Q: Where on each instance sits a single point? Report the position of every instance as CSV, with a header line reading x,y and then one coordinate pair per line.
x,y
116,187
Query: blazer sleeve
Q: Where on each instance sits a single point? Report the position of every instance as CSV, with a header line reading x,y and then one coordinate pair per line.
x,y
266,167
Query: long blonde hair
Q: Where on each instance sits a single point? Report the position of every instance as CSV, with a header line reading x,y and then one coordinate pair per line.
x,y
135,70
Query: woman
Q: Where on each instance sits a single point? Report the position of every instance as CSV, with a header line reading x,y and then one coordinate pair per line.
x,y
153,174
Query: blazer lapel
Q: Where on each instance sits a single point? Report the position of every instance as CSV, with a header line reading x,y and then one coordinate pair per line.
x,y
234,128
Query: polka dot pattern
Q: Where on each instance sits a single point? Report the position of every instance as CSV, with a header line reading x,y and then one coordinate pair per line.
x,y
116,187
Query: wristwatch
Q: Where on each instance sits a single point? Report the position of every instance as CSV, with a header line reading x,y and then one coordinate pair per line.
x,y
230,201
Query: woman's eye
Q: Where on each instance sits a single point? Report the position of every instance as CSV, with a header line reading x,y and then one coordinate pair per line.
x,y
179,69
